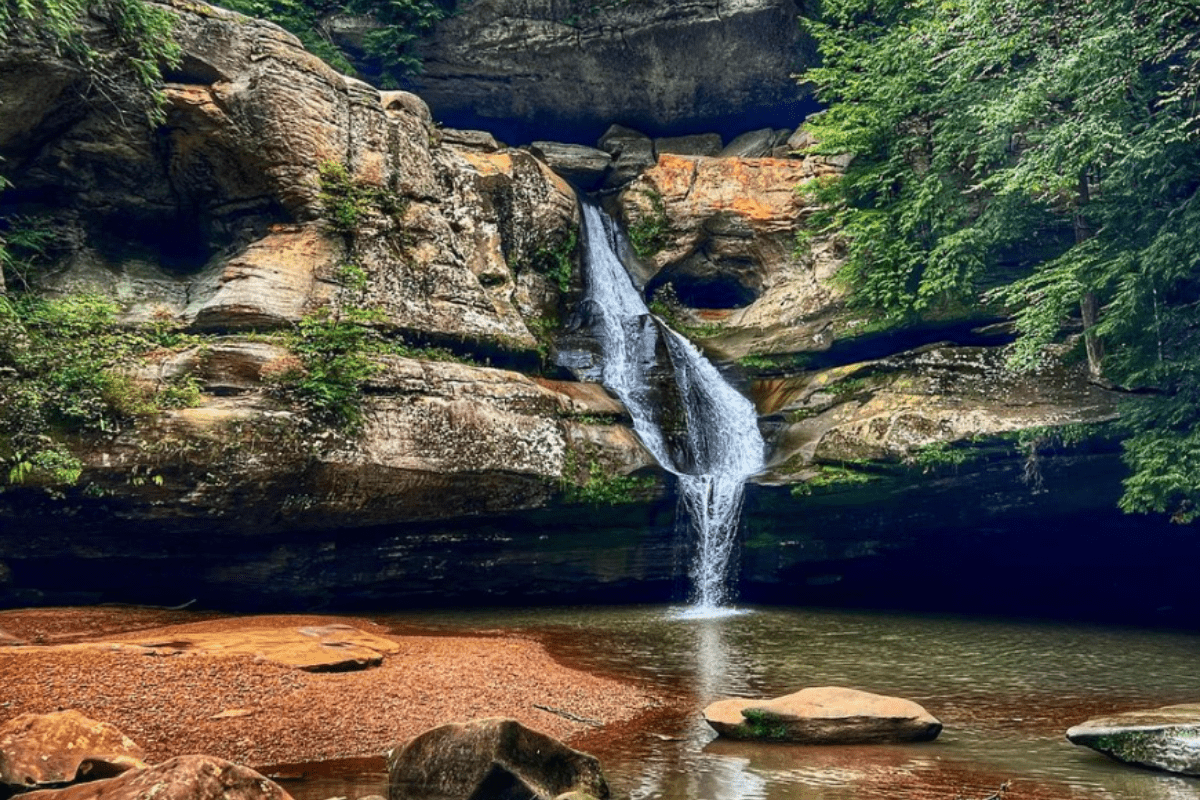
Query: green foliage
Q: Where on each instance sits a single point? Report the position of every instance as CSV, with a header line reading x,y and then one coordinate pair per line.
x,y
347,204
936,455
604,489
650,233
143,36
24,245
763,725
1044,154
832,477
389,50
557,261
335,354
64,372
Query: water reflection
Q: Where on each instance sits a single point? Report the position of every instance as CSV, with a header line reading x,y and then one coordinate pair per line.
x,y
1006,692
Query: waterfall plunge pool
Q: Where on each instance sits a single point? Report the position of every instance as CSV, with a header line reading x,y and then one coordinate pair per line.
x,y
1006,692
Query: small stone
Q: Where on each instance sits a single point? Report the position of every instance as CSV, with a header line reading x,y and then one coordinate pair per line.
x,y
232,713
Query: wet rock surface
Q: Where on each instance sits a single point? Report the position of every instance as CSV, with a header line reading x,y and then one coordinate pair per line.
x,y
490,758
62,747
1166,738
824,715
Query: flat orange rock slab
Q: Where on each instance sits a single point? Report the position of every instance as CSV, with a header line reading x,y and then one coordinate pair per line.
x,y
324,648
824,715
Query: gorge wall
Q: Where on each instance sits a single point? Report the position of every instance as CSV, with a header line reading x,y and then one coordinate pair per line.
x,y
565,70
906,465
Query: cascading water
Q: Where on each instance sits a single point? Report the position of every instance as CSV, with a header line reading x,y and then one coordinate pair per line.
x,y
709,436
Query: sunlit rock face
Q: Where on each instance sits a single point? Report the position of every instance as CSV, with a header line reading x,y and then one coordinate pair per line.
x,y
565,70
224,220
217,217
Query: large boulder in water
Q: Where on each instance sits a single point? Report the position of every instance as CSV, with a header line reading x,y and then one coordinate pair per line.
x,y
181,778
1166,738
490,758
824,715
62,747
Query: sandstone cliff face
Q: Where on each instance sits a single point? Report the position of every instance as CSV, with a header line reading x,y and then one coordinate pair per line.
x,y
217,221
221,221
732,226
566,69
216,218
832,386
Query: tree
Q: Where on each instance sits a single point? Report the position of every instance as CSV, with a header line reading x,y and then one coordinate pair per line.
x,y
1047,156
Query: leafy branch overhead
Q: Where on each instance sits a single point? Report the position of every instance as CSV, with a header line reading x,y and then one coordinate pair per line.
x,y
1046,156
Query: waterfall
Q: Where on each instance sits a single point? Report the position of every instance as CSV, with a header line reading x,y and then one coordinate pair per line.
x,y
703,431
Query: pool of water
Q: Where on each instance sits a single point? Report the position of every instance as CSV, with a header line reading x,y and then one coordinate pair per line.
x,y
1006,692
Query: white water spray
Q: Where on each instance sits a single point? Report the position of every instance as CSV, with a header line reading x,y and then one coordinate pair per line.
x,y
717,447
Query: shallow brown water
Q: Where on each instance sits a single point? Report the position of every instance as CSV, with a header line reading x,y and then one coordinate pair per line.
x,y
1006,692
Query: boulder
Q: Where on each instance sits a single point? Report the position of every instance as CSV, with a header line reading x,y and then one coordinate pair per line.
x,y
583,166
632,152
754,144
490,758
700,144
180,778
62,747
470,140
1166,738
824,715
732,224
324,648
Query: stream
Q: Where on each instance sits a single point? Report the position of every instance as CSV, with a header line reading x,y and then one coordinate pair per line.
x,y
1005,690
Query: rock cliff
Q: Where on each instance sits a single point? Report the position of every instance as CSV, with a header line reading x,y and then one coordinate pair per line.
x,y
567,69
277,191
269,175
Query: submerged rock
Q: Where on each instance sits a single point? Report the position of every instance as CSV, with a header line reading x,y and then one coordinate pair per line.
x,y
62,747
491,758
181,778
1166,738
824,715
